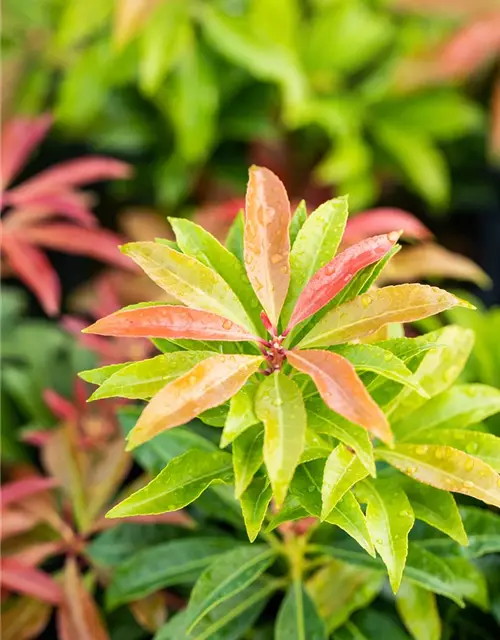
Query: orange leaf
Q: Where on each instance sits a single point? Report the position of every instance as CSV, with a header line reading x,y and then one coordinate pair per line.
x,y
342,390
208,384
150,612
169,321
25,619
266,239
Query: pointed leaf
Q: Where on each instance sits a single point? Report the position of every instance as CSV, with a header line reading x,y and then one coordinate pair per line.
x,y
188,280
279,405
316,244
342,470
254,504
169,321
445,468
341,389
371,311
247,457
483,531
101,374
267,241
181,481
234,239
142,380
241,414
208,384
14,492
27,580
350,518
384,220
390,518
297,221
326,283
418,610
298,618
431,572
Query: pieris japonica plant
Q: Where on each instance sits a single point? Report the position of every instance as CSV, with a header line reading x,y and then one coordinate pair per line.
x,y
327,410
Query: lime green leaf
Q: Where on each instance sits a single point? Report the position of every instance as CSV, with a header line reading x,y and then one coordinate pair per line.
x,y
316,447
247,457
342,470
431,572
298,219
323,420
279,405
187,280
182,561
418,610
234,240
80,19
181,481
100,375
469,580
389,517
298,618
254,504
483,531
316,244
198,243
290,511
349,517
445,468
371,311
241,414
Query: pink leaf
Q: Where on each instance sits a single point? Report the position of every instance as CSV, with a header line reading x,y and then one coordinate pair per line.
x,y
45,206
342,390
60,407
19,489
383,220
169,322
20,137
33,268
30,581
334,276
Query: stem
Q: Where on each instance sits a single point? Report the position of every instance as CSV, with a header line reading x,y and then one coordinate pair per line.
x,y
295,547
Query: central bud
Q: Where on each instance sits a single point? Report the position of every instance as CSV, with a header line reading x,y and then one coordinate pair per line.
x,y
273,350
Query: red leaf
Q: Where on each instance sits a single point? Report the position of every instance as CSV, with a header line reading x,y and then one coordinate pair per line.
x,y
334,276
60,407
383,220
169,322
31,581
33,268
342,390
45,206
71,173
20,137
266,240
19,489
16,521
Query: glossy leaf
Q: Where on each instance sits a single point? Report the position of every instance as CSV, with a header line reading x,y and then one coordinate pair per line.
x,y
254,504
371,311
188,280
234,238
389,517
446,468
315,245
431,572
101,374
181,481
470,581
341,389
483,531
241,414
342,470
331,278
418,610
267,241
279,405
247,457
297,221
350,518
208,384
298,618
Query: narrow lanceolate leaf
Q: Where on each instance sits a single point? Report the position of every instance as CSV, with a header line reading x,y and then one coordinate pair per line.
x,y
390,518
342,470
350,518
241,414
267,240
181,481
279,405
298,618
254,504
208,384
484,446
169,321
99,375
188,280
446,468
298,219
247,457
326,283
429,571
315,245
371,311
418,610
342,390
142,380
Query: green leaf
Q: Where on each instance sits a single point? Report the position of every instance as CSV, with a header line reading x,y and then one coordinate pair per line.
x,y
298,618
226,577
200,244
247,457
254,504
316,447
181,481
241,414
455,408
431,572
350,518
100,375
181,561
279,405
144,379
188,280
316,244
298,219
80,19
342,470
234,239
389,517
445,468
483,531
321,419
470,581
290,511
369,624
339,589
437,508
418,610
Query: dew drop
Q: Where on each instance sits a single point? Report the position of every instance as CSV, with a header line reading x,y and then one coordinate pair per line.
x,y
468,484
227,324
422,449
439,453
411,470
366,300
469,465
393,236
277,257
